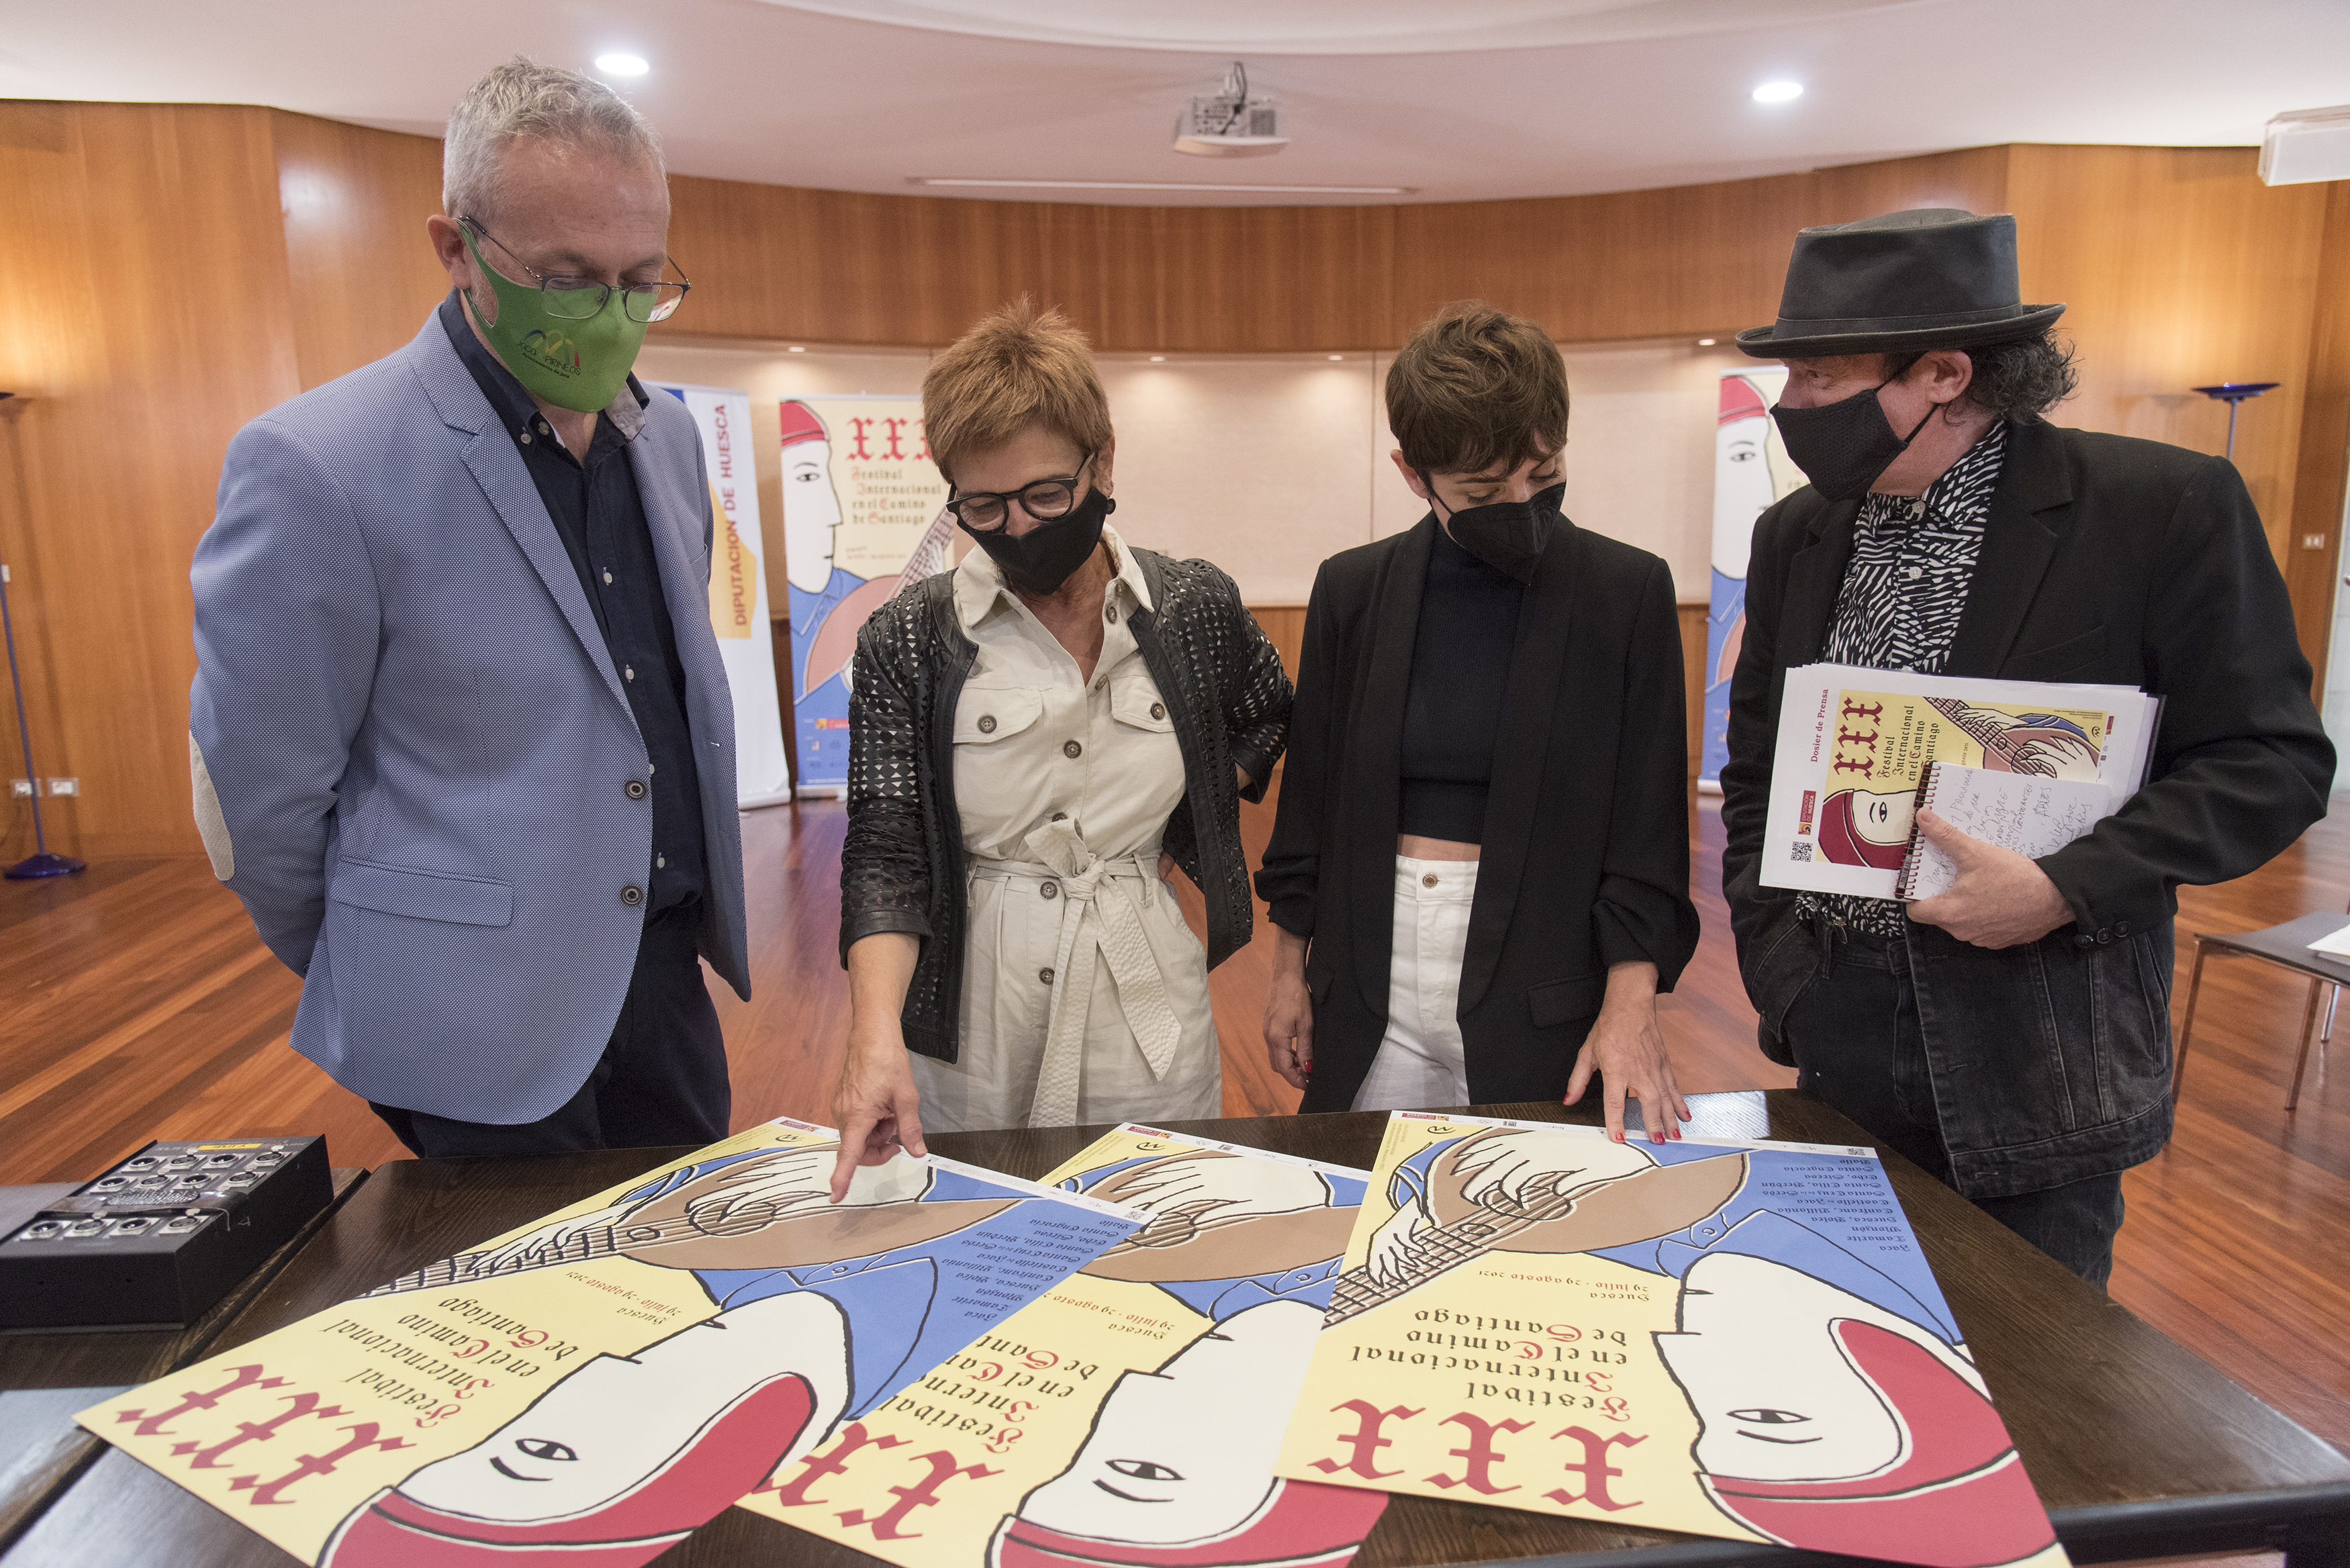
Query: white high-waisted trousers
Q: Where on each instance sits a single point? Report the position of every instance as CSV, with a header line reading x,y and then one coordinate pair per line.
x,y
1421,1064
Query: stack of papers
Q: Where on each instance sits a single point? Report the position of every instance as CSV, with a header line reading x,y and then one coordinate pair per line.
x,y
1854,745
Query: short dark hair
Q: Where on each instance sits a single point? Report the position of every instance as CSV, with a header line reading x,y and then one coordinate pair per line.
x,y
2018,380
1476,387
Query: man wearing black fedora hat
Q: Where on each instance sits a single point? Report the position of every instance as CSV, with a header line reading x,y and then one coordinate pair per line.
x,y
2011,1036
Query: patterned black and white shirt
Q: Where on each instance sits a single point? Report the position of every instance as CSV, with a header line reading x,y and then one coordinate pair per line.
x,y
1913,559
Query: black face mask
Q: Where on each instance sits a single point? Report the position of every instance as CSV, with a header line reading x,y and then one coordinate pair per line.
x,y
1843,446
1507,535
1039,561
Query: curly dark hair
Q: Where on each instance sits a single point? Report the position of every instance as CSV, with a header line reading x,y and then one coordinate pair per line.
x,y
2018,380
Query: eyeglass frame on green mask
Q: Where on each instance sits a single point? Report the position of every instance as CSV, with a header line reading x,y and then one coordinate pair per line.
x,y
574,285
1006,497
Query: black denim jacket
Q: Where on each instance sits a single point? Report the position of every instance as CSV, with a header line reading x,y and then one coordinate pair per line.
x,y
902,865
2104,560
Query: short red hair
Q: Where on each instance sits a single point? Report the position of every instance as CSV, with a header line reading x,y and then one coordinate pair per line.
x,y
1018,366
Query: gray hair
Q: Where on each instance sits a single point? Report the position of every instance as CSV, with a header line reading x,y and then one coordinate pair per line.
x,y
525,99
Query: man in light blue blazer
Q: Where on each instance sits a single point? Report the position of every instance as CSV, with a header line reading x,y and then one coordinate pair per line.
x,y
461,736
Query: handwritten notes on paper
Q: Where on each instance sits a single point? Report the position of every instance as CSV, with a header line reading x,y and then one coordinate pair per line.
x,y
2031,814
2334,945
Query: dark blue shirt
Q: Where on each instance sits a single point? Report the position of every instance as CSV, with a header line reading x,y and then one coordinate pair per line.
x,y
600,516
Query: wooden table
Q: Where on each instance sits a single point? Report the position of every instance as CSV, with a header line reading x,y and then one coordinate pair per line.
x,y
2139,1448
79,1369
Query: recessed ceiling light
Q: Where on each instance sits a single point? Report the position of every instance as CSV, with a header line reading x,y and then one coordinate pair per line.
x,y
622,65
1164,185
1158,358
1705,342
1335,358
794,348
1778,92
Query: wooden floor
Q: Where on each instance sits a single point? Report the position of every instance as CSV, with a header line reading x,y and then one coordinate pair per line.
x,y
136,1003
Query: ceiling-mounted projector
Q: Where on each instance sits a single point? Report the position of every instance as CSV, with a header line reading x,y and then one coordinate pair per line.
x,y
2307,144
1230,124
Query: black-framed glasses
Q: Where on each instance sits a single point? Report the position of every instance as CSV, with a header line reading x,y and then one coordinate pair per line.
x,y
1044,499
569,298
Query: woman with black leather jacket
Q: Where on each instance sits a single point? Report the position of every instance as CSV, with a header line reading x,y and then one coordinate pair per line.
x,y
1036,738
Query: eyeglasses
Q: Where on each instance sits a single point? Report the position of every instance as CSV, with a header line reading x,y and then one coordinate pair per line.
x,y
1046,499
570,299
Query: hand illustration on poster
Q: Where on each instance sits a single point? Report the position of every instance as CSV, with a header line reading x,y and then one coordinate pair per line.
x,y
592,1388
1132,1416
1734,1339
843,562
1751,471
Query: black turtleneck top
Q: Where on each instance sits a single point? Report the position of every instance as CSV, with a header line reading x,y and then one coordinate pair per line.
x,y
1453,715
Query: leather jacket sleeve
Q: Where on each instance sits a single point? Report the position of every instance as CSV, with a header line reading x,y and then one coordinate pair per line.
x,y
1257,699
885,862
1287,874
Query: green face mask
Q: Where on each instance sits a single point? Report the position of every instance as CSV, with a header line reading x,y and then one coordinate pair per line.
x,y
579,365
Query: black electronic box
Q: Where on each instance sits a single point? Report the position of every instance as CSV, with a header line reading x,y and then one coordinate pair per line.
x,y
159,1239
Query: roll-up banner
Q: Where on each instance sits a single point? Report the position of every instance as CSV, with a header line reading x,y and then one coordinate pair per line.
x,y
864,511
738,590
1751,471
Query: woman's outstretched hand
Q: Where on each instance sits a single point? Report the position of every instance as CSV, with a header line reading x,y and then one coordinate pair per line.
x,y
1627,1049
877,1109
875,1106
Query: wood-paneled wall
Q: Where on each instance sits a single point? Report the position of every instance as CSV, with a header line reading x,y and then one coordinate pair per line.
x,y
842,267
144,260
2323,439
175,270
363,275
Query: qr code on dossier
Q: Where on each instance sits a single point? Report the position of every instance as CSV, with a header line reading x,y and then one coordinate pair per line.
x,y
1800,852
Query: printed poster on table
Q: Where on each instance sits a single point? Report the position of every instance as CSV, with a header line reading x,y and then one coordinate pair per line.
x,y
863,513
1736,1339
738,589
591,1387
1131,1415
1751,472
1854,743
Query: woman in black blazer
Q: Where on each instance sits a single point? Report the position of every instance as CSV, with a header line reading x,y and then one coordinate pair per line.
x,y
1481,863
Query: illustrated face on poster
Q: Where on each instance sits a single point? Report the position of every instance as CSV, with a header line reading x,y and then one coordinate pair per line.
x,y
880,491
1750,470
1133,1412
1829,1421
1187,1451
864,514
1751,473
811,512
601,1383
1868,827
1777,1395
1730,1339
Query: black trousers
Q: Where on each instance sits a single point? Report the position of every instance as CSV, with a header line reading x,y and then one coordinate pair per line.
x,y
661,1080
1858,1046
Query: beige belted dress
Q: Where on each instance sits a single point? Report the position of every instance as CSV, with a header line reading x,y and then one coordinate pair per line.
x,y
1085,994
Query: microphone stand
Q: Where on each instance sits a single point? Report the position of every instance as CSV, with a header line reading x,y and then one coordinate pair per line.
x,y
40,863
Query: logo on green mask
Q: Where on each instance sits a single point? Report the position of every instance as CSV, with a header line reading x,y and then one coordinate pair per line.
x,y
579,365
552,349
